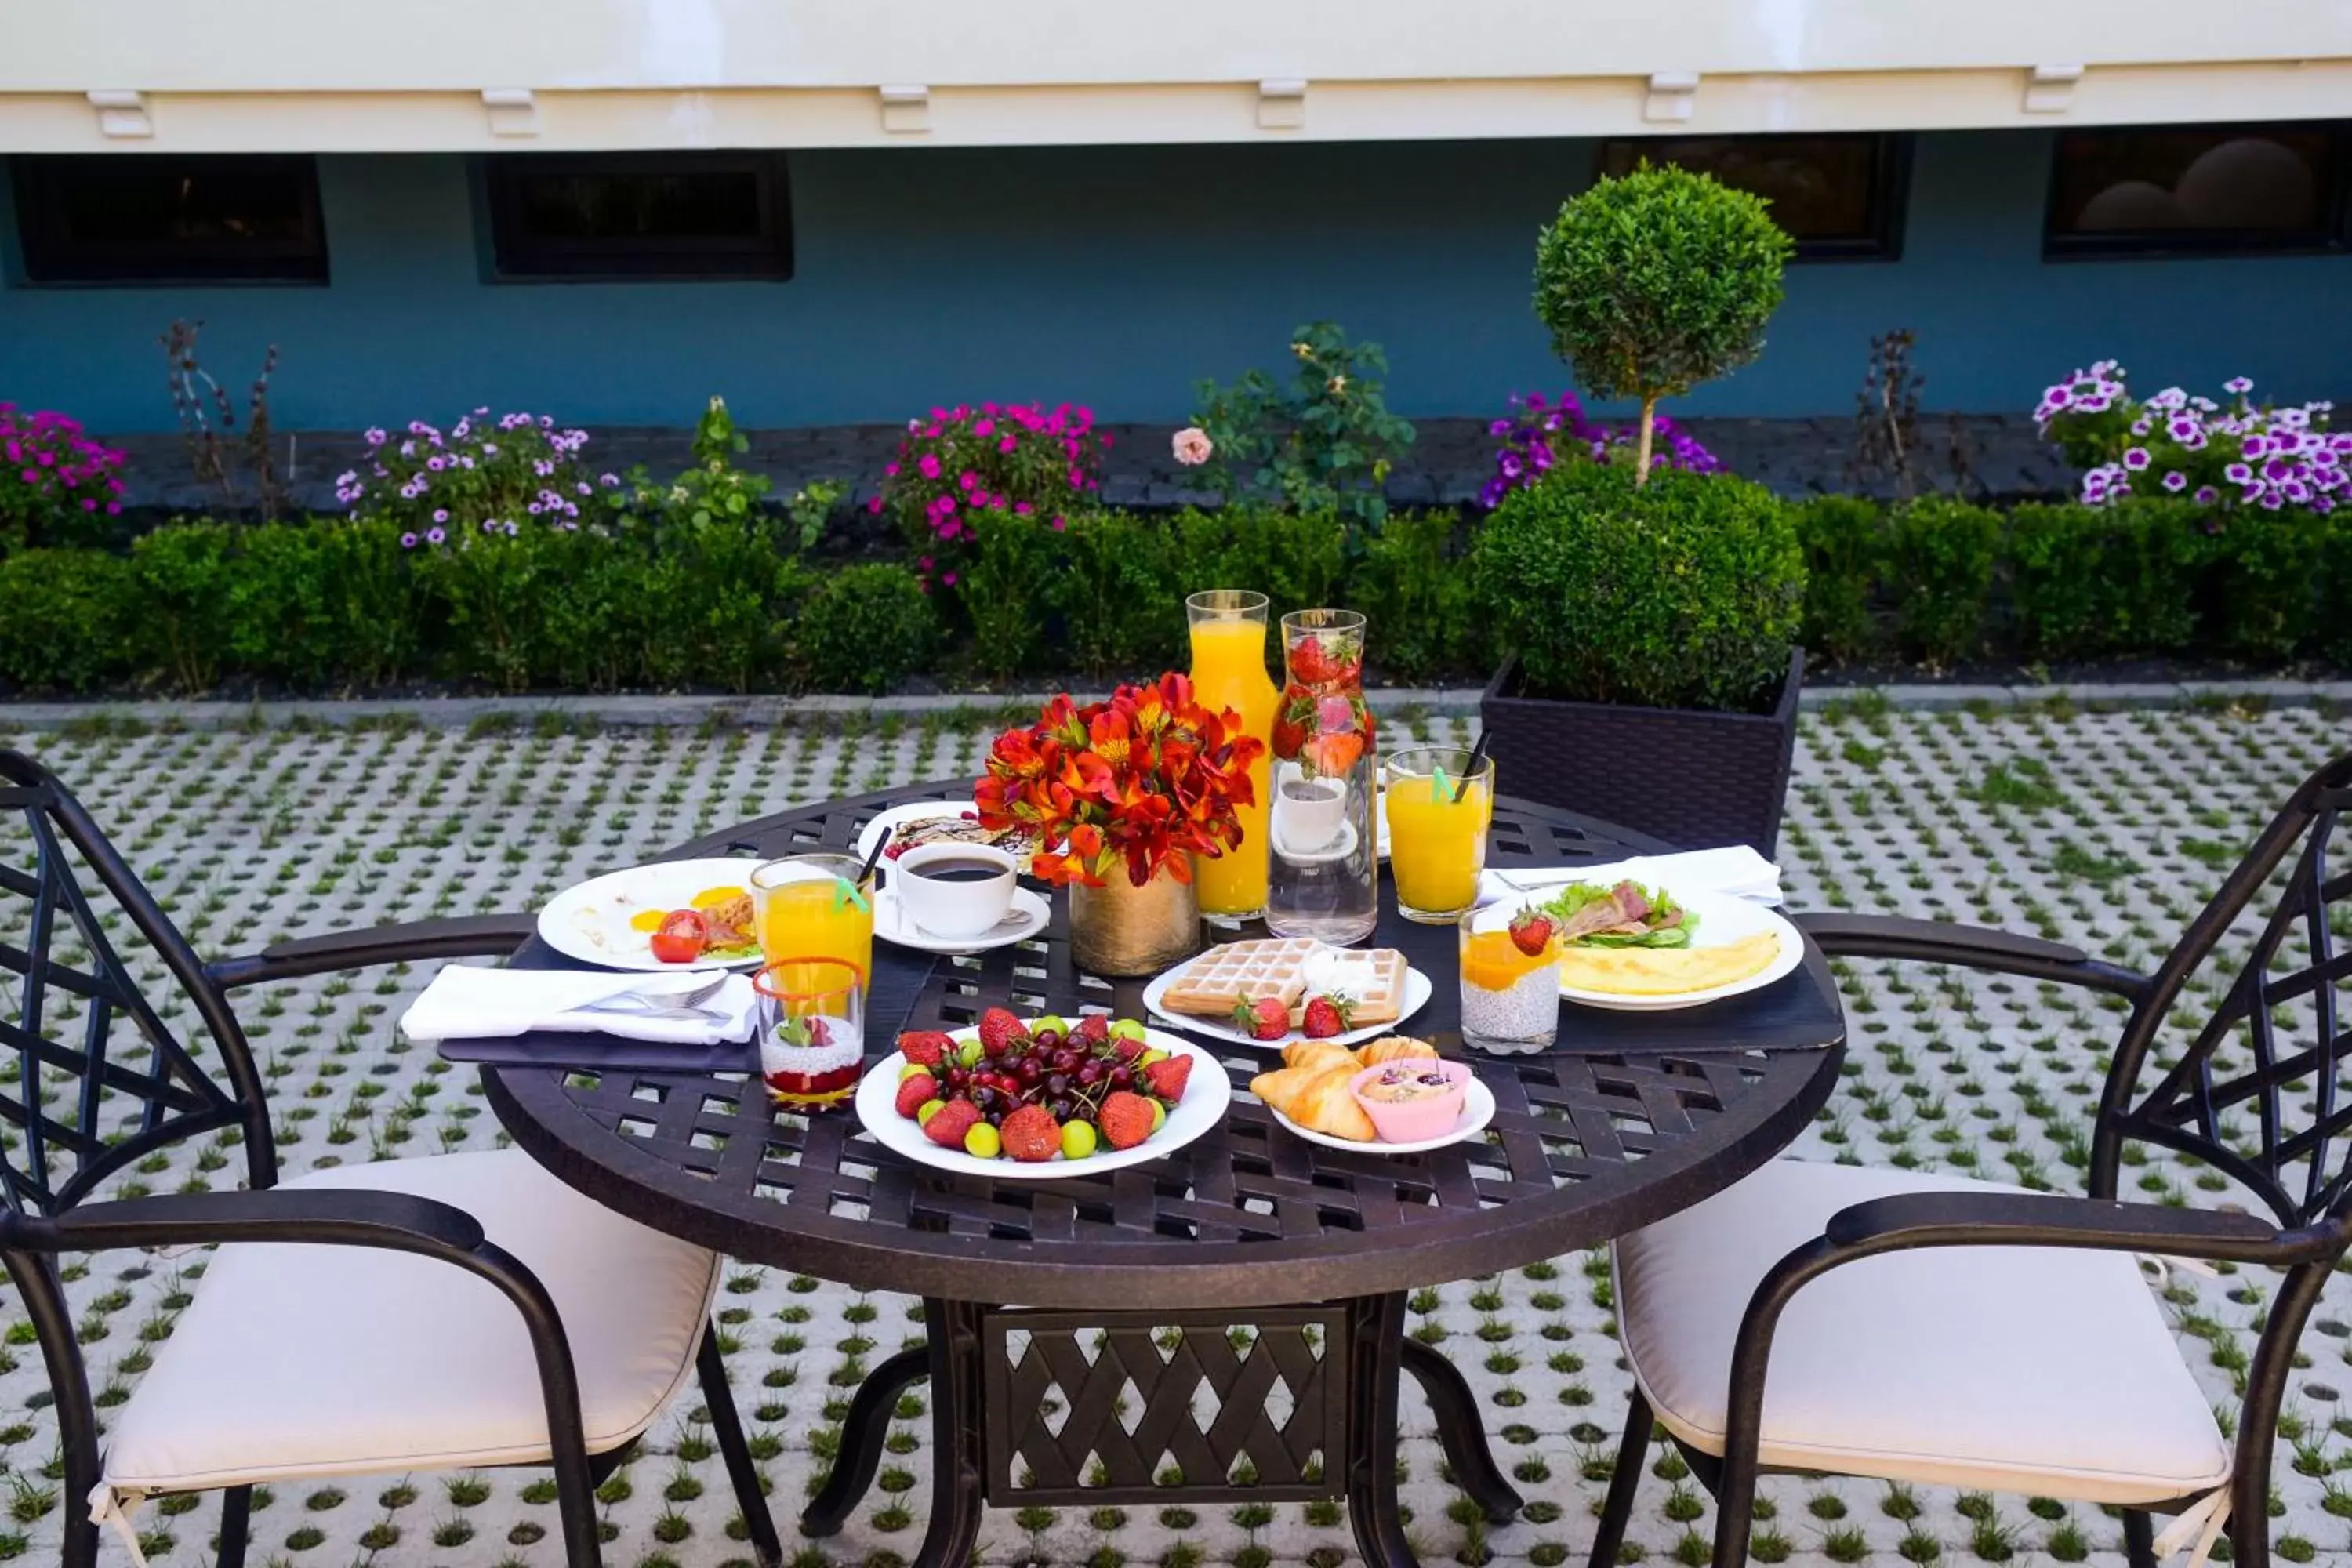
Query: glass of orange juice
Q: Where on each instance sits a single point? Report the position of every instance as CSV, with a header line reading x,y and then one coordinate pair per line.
x,y
810,906
1228,634
1441,801
1510,982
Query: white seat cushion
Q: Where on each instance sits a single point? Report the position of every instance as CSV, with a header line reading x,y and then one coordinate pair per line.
x,y
2009,1369
311,1361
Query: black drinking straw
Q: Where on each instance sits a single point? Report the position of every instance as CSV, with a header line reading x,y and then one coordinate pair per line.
x,y
1477,759
865,872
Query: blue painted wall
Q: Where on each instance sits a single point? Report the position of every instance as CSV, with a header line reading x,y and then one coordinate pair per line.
x,y
1118,275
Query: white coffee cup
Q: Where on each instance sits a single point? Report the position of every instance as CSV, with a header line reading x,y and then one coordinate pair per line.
x,y
1310,819
964,906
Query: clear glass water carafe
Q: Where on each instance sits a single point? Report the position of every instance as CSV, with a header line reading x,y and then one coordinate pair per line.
x,y
1323,849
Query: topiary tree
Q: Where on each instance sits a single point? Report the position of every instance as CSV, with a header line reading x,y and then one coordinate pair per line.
x,y
1655,281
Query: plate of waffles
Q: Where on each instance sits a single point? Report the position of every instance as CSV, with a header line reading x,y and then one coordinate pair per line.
x,y
1372,989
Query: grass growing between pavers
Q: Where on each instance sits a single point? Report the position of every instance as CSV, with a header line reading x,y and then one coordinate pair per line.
x,y
2108,830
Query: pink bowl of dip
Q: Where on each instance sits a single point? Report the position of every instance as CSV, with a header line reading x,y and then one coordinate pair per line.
x,y
1404,1103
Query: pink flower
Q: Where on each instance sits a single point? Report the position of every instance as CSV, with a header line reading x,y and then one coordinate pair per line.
x,y
1077,479
984,427
1192,446
967,478
928,466
1007,444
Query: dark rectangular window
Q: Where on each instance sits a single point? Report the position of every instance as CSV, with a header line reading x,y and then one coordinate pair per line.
x,y
2176,190
1840,197
141,217
655,215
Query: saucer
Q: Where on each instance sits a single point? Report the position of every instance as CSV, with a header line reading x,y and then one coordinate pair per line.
x,y
1028,916
1341,846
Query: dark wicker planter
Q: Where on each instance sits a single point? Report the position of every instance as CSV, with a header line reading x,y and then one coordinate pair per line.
x,y
1694,779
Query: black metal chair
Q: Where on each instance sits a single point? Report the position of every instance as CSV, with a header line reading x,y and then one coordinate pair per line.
x,y
433,1313
1893,1355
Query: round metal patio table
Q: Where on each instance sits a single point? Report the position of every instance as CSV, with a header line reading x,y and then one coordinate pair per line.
x,y
1047,1297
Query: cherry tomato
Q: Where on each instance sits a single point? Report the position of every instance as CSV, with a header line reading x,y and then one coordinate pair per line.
x,y
681,938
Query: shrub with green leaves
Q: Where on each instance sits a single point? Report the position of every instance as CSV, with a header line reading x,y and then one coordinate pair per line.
x,y
326,603
2087,581
1324,442
1685,593
1008,572
2265,580
1655,281
1119,594
1844,538
1940,557
185,574
1414,591
864,628
73,622
1297,559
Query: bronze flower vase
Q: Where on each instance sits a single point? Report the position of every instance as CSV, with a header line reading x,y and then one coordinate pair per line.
x,y
1125,930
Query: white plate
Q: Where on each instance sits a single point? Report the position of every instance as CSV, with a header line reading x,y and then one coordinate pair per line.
x,y
1477,1110
916,811
1722,919
590,921
1206,1094
1029,915
1417,992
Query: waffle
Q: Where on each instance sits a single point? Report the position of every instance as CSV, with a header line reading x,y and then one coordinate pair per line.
x,y
1373,983
1214,983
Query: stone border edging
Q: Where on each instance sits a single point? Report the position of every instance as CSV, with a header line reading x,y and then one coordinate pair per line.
x,y
686,711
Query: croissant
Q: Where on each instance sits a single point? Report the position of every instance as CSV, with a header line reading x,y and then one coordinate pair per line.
x,y
1318,1055
1317,1098
1395,1047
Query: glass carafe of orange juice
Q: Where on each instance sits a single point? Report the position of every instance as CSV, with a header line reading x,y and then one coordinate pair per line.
x,y
810,906
1229,671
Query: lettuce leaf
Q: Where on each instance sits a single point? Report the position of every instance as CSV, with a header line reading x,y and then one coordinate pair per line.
x,y
1576,895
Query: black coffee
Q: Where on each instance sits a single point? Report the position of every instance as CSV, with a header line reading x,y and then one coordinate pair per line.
x,y
958,870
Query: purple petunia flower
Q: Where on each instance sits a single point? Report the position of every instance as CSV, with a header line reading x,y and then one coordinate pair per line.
x,y
408,541
2176,481
2207,495
435,536
2136,458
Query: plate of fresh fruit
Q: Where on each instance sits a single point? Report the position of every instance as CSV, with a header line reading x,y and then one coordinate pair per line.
x,y
1042,1098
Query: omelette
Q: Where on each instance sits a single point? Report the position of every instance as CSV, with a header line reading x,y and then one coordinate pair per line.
x,y
1667,971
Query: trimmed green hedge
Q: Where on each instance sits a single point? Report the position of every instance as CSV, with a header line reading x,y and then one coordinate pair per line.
x,y
330,604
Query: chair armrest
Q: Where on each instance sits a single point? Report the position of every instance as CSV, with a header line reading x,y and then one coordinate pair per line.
x,y
335,1216
463,936
1844,935
2051,1219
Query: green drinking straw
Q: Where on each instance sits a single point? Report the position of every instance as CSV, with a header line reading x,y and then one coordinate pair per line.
x,y
1437,786
844,894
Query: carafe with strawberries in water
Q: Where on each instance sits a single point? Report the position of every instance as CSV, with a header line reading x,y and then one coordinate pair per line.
x,y
1323,871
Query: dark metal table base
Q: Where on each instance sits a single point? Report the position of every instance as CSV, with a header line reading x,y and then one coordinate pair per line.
x,y
1237,1412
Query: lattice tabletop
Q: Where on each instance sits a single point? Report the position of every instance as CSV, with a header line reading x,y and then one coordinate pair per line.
x,y
1584,1146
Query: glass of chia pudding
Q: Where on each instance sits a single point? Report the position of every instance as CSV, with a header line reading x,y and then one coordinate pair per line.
x,y
1510,982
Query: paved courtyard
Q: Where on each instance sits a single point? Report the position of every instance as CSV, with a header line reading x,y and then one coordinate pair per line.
x,y
2107,829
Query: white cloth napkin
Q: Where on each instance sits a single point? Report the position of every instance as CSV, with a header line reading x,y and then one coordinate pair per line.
x,y
1734,869
473,1004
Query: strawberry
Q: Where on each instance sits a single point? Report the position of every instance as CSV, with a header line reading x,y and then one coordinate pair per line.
x,y
1264,1019
1090,1031
1290,728
1127,1047
915,1090
1311,663
951,1122
1166,1079
1326,1016
1532,930
1000,1031
1031,1134
926,1048
1331,755
1126,1119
